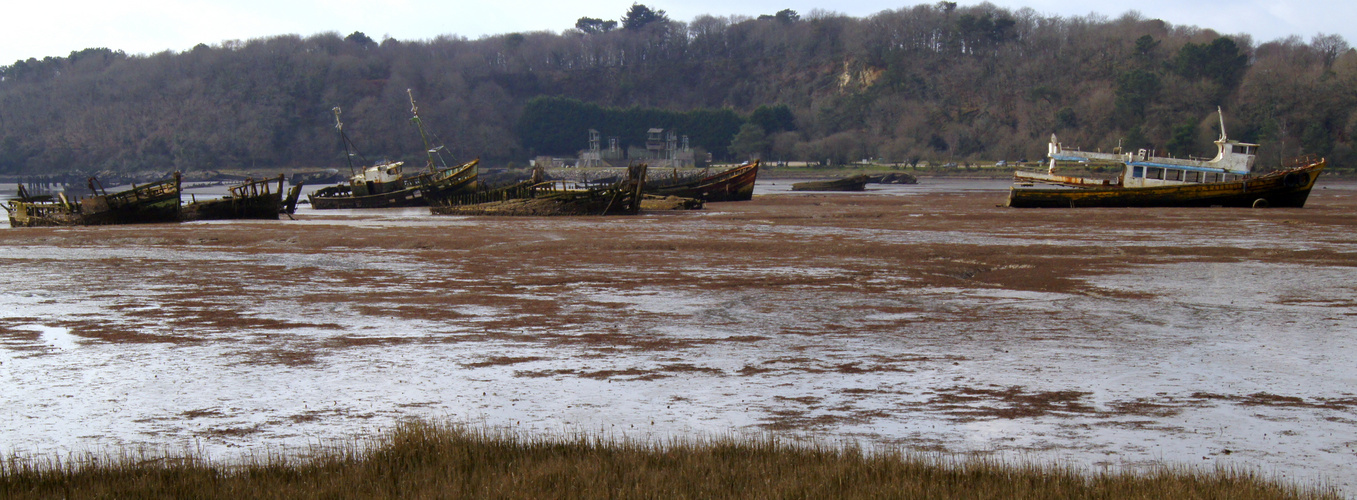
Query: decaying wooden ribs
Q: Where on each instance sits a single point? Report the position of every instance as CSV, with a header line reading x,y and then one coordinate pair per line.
x,y
155,202
152,203
540,197
735,184
250,200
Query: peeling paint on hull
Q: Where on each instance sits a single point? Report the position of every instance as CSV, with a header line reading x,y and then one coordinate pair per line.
x,y
1288,188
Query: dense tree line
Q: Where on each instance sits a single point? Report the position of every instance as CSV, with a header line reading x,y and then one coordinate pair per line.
x,y
552,125
934,82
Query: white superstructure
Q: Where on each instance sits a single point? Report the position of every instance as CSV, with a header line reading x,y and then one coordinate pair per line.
x,y
1233,160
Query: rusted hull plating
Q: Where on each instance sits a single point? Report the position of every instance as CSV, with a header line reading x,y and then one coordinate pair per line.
x,y
1288,188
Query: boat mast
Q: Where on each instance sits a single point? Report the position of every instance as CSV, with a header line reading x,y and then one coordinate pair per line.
x,y
339,125
414,110
1221,114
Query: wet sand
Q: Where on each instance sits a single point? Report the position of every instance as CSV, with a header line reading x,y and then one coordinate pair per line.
x,y
921,316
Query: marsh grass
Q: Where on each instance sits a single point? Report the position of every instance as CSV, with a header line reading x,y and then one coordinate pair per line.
x,y
421,460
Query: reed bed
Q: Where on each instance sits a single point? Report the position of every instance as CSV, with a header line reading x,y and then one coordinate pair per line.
x,y
422,460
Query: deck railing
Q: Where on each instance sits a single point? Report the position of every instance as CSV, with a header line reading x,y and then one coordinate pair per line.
x,y
1300,161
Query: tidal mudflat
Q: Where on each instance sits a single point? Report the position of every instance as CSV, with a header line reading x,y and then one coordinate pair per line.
x,y
916,316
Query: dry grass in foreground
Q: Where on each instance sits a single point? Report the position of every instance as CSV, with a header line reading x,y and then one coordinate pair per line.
x,y
429,461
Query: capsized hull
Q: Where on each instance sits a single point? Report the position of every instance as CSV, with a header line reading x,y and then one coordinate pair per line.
x,y
1288,188
854,183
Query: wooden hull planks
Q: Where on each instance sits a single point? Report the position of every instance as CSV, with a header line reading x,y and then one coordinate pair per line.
x,y
735,184
251,200
547,199
335,197
449,182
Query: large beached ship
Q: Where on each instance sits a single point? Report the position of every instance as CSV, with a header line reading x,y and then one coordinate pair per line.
x,y
1147,180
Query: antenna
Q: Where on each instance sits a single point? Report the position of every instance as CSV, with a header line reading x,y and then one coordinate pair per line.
x,y
339,125
1222,123
414,110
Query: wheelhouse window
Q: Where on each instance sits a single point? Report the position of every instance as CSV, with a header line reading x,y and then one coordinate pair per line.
x,y
1137,172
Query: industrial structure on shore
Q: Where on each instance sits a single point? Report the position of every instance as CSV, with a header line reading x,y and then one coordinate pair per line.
x,y
662,149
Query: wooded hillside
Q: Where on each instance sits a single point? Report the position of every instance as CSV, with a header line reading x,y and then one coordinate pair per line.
x,y
933,82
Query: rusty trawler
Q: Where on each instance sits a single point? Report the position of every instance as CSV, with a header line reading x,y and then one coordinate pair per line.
x,y
385,185
1151,181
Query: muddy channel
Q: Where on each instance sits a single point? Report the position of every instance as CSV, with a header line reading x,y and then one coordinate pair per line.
x,y
926,317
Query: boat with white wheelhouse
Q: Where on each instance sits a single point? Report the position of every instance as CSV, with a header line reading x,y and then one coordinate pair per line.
x,y
1148,180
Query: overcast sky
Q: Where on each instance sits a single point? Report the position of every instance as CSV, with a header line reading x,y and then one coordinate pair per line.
x,y
46,28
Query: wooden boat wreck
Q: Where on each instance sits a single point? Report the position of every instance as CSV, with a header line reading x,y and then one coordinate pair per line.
x,y
384,185
735,184
854,183
149,203
249,200
538,197
448,182
1151,181
39,211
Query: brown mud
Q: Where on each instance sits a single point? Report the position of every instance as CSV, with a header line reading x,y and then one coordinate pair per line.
x,y
849,314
